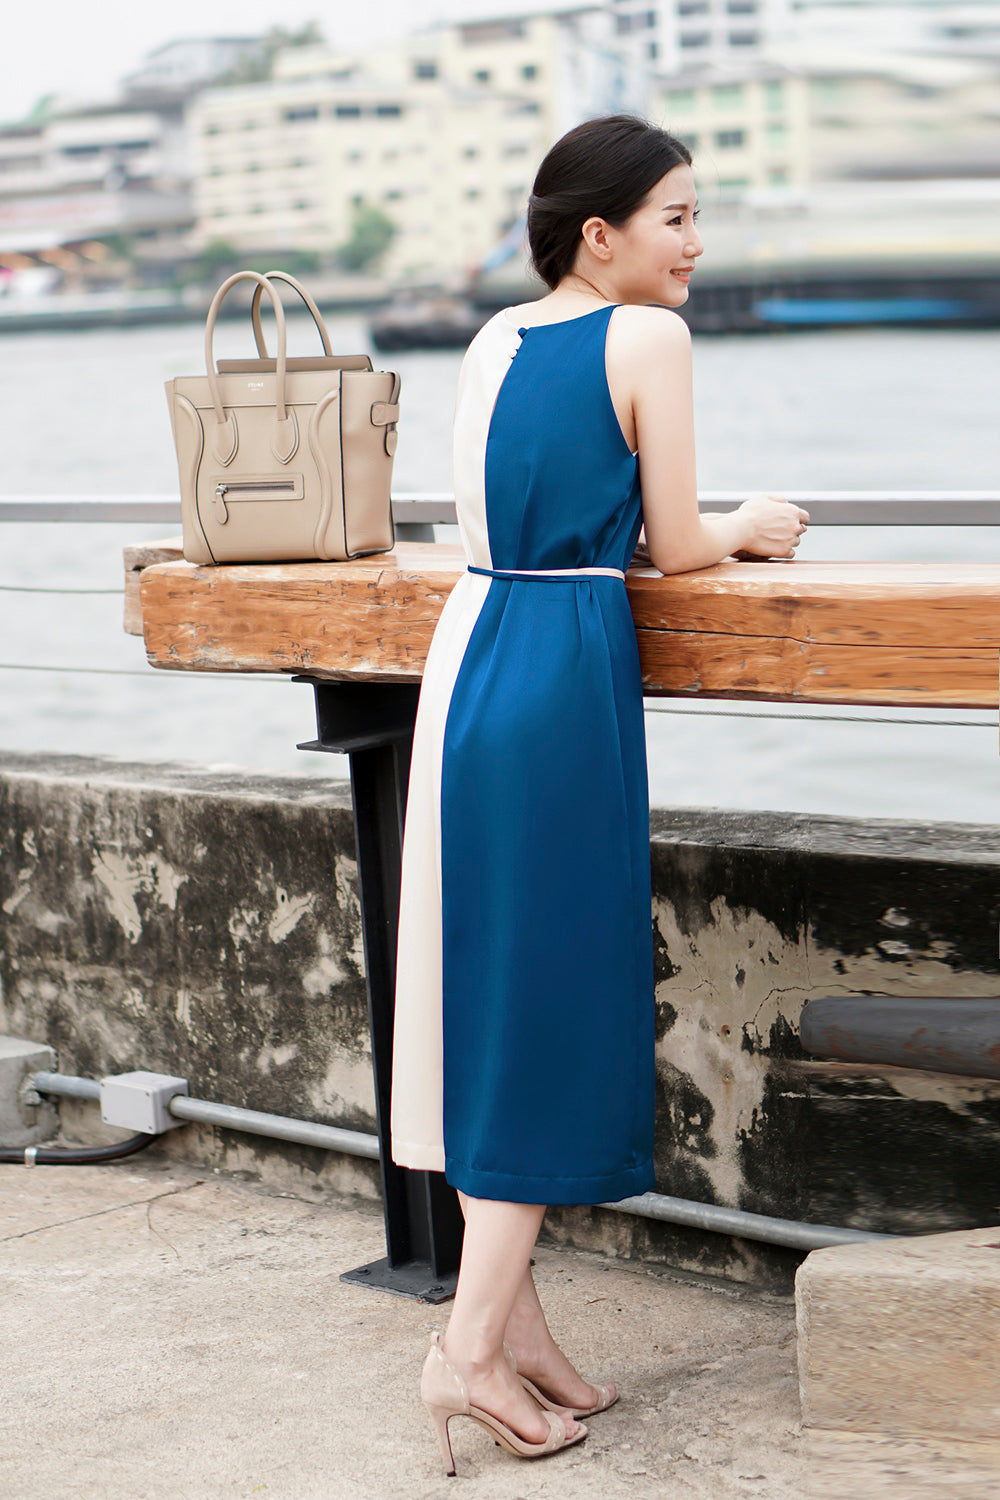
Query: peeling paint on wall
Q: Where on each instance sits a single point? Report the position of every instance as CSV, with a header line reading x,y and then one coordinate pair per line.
x,y
21,890
121,884
347,1090
125,877
289,911
269,1058
345,875
732,977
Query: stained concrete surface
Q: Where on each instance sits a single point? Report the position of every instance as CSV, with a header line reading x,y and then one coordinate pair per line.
x,y
172,1333
206,924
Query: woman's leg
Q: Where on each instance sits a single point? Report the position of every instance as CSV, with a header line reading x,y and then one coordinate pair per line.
x,y
499,1238
539,1356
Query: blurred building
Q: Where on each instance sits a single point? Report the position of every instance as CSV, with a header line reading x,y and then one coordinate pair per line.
x,y
84,172
949,27
747,126
441,131
833,118
881,166
673,35
179,68
92,175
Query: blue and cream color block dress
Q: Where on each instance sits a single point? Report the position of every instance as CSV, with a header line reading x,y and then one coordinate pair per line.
x,y
523,1058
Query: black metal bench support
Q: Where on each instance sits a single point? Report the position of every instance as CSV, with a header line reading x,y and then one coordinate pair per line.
x,y
372,723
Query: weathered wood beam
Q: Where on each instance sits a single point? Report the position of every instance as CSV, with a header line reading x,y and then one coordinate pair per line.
x,y
889,633
138,557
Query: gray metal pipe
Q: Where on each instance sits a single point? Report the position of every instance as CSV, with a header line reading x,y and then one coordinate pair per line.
x,y
745,1226
66,1087
250,1121
960,1035
276,1127
709,1216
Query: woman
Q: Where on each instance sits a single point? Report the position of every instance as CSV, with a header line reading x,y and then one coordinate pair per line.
x,y
523,1061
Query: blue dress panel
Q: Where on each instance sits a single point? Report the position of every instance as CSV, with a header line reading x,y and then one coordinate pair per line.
x,y
523,1057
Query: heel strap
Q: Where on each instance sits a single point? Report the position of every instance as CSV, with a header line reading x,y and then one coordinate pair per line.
x,y
441,1384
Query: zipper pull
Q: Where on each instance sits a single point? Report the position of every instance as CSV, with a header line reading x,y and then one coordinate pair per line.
x,y
221,511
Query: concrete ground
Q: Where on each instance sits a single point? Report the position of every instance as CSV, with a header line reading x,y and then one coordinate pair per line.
x,y
169,1334
864,1466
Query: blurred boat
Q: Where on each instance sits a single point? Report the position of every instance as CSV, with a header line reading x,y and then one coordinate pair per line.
x,y
440,321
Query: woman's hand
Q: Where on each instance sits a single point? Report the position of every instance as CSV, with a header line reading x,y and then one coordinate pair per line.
x,y
774,526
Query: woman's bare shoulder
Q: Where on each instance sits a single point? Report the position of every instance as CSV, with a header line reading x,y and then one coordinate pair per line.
x,y
649,330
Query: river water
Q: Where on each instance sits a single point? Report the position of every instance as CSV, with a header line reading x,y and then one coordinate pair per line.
x,y
882,409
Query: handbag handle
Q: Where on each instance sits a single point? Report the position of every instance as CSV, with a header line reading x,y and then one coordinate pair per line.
x,y
317,316
286,437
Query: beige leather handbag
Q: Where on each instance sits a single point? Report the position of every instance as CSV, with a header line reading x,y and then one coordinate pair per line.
x,y
283,459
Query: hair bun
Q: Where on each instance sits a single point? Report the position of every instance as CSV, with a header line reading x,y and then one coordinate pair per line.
x,y
603,168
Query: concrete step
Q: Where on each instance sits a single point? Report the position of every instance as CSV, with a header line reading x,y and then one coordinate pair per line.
x,y
25,1119
901,1338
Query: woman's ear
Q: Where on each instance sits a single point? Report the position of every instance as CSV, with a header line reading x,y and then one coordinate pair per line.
x,y
595,237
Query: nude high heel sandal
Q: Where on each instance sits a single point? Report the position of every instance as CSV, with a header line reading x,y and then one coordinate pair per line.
x,y
606,1395
446,1395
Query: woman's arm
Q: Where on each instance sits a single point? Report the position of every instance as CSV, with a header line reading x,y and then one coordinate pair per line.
x,y
649,355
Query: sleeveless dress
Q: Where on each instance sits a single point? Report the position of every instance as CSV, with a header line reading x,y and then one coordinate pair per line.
x,y
524,1033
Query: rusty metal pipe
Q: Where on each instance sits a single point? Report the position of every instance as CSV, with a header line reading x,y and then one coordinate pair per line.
x,y
935,1035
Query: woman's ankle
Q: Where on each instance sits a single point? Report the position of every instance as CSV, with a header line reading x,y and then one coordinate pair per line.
x,y
474,1352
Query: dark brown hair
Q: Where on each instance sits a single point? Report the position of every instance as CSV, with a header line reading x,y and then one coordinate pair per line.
x,y
603,168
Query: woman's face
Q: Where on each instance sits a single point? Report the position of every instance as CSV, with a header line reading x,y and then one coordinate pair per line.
x,y
655,250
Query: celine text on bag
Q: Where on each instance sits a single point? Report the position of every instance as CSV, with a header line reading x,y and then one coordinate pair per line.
x,y
284,459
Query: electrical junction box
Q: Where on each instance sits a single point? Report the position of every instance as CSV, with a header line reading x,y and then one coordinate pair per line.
x,y
140,1101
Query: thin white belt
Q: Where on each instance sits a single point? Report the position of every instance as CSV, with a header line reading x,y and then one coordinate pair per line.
x,y
531,573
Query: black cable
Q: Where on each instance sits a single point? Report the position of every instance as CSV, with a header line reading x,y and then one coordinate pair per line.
x,y
73,1156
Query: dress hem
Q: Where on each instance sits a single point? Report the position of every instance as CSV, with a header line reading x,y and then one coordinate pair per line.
x,y
505,1187
418,1158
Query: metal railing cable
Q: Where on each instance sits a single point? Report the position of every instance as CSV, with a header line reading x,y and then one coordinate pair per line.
x,y
650,705
132,671
654,706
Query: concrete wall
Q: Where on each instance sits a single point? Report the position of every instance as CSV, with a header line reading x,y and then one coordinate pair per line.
x,y
207,925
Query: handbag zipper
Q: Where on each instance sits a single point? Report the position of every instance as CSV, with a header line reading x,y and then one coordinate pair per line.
x,y
253,489
222,490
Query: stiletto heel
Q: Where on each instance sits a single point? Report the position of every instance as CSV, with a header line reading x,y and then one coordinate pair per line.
x,y
446,1395
439,1416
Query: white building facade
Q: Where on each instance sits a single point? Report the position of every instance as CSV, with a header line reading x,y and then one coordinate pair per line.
x,y
671,36
441,131
835,118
